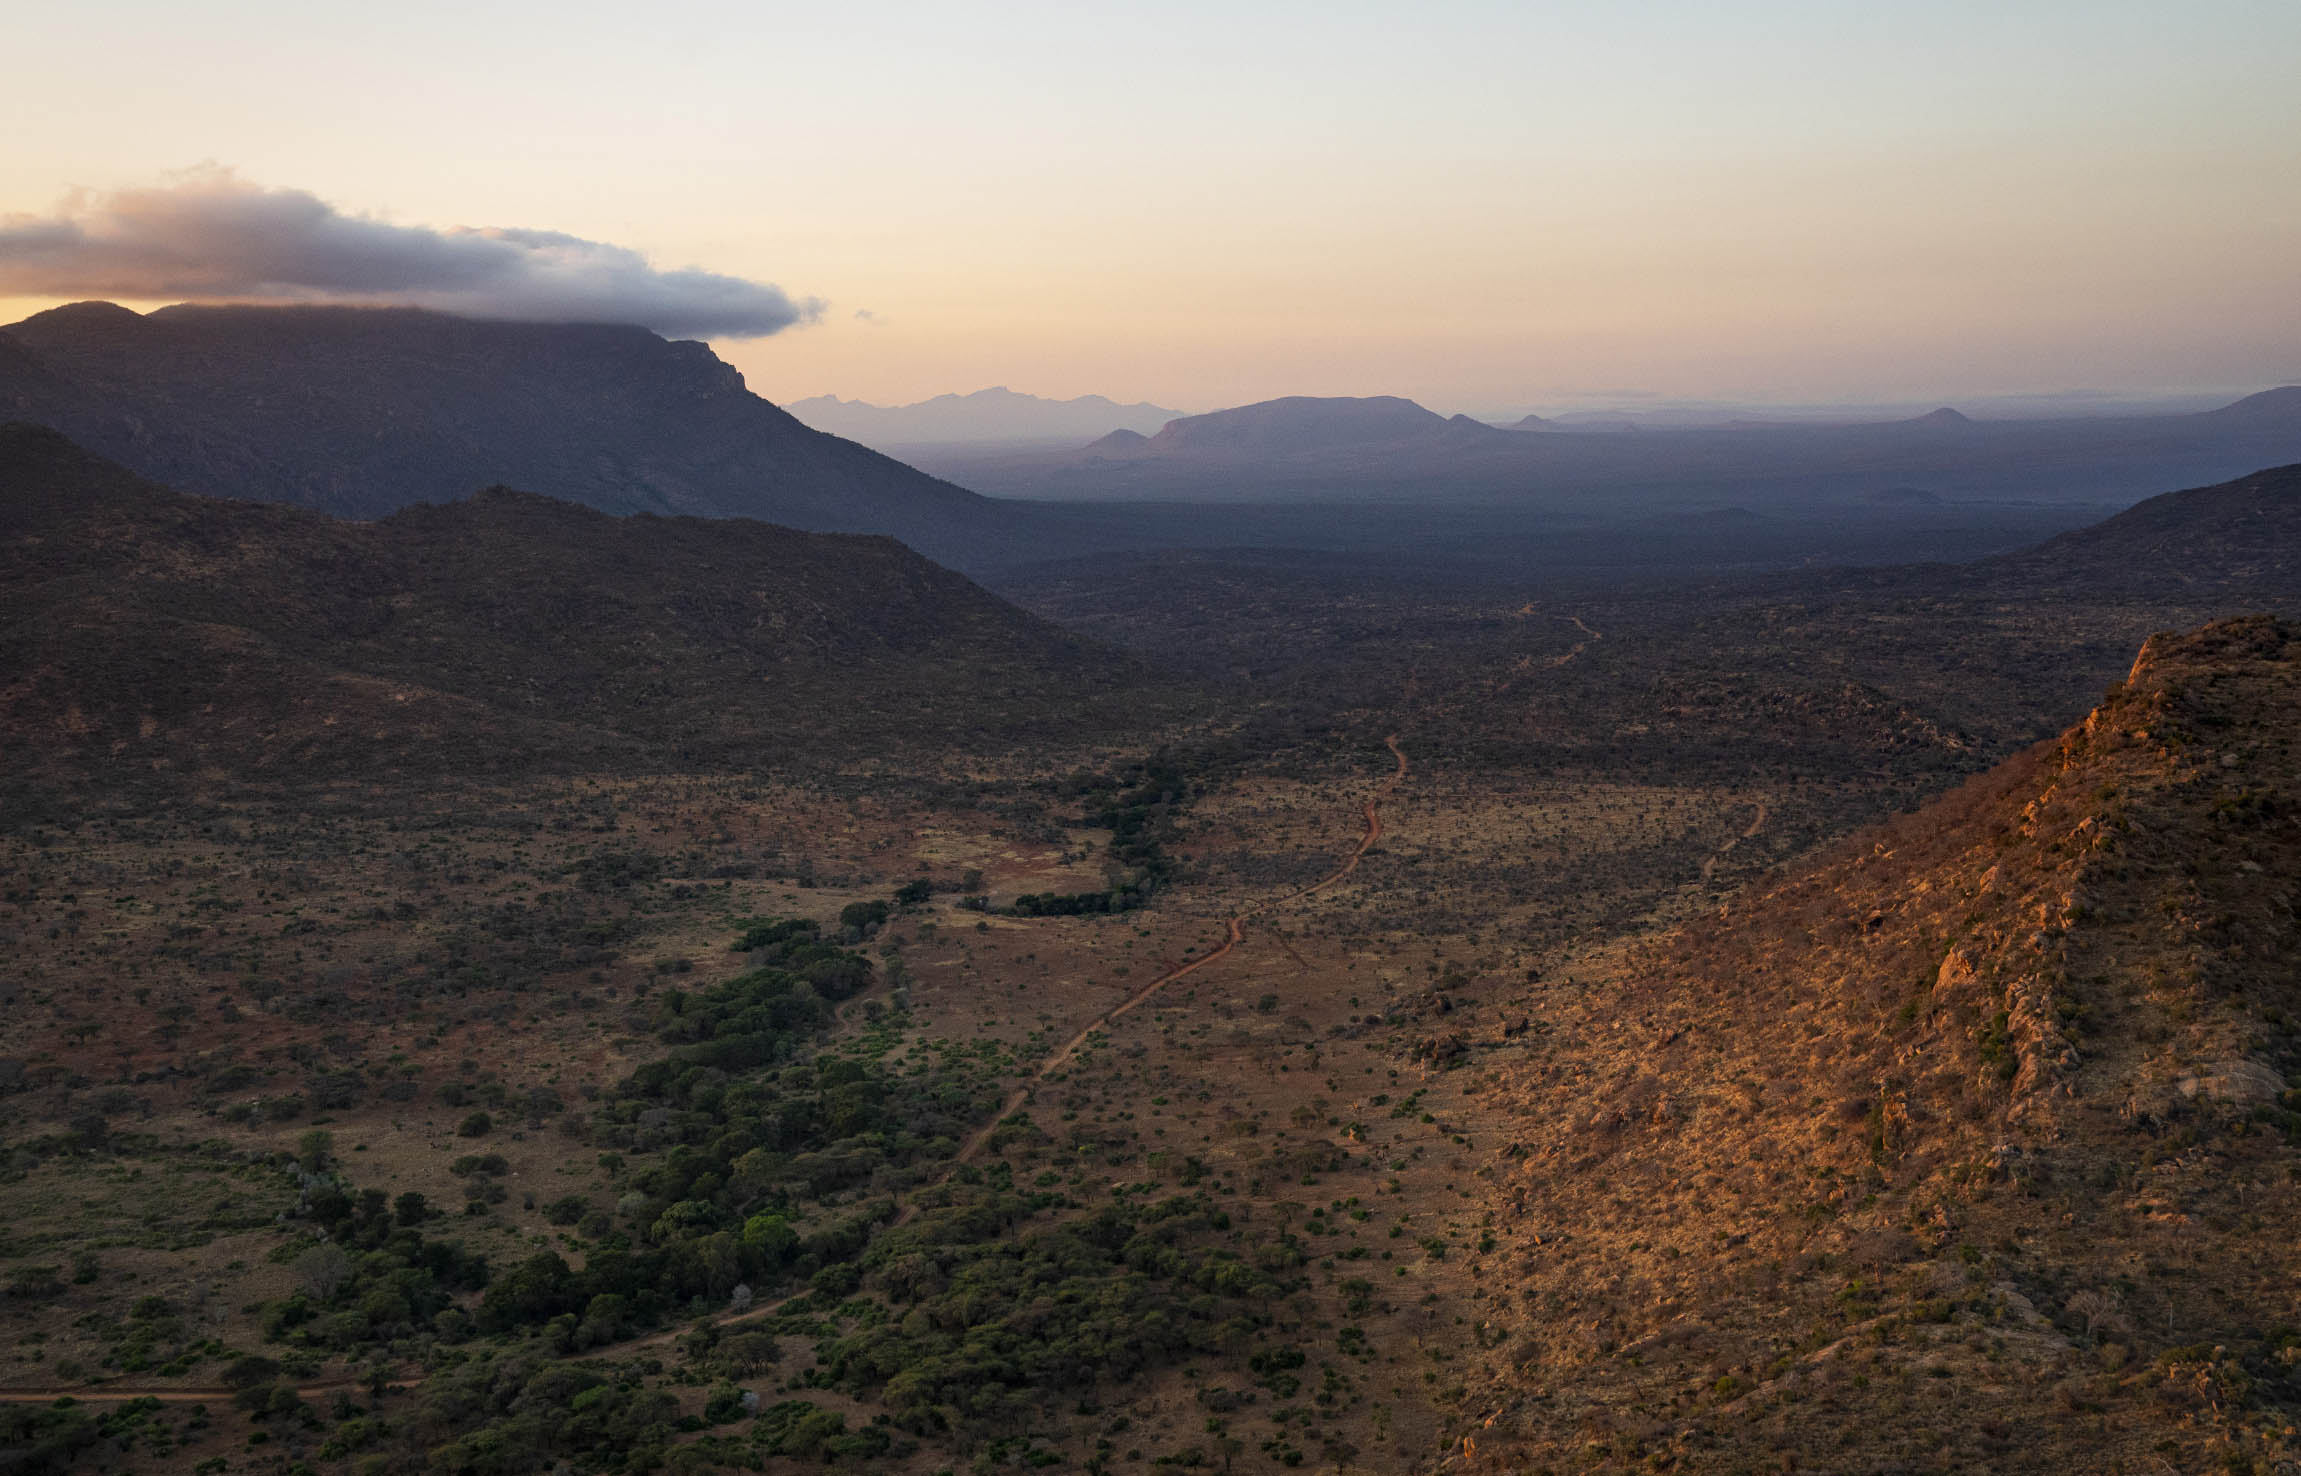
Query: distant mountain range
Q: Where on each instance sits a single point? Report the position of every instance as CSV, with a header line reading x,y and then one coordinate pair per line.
x,y
1382,447
359,411
998,414
150,635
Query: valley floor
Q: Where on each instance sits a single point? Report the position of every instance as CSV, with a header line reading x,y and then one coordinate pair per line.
x,y
986,1166
1301,1032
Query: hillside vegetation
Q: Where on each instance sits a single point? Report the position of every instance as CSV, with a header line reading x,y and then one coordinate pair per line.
x,y
146,631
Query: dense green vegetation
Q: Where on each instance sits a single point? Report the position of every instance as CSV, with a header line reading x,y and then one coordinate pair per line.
x,y
755,1119
758,1160
781,1175
38,1439
1138,807
528,1412
988,1316
374,1278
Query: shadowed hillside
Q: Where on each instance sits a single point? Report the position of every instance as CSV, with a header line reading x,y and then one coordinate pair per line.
x,y
145,629
357,411
1961,1148
2240,537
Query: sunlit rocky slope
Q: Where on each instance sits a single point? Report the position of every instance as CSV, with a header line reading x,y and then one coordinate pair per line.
x,y
1968,1146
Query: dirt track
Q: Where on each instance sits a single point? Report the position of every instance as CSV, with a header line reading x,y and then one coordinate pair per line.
x,y
1237,930
1526,664
1757,823
118,1394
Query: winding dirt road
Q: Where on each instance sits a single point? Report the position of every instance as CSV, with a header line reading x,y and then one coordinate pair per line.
x,y
1236,926
1588,635
1757,823
214,1394
1525,664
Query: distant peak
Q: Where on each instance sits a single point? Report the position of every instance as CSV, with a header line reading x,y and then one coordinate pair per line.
x,y
2282,403
1121,439
1944,416
17,436
76,322
92,311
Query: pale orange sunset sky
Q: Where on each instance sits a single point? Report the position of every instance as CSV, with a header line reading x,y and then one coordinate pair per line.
x,y
1479,205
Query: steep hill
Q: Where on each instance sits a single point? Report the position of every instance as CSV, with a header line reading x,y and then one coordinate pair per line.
x,y
360,411
143,629
2280,406
1298,424
1968,1146
1121,442
2239,537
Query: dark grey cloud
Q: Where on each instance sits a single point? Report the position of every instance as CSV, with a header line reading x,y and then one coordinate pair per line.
x,y
210,236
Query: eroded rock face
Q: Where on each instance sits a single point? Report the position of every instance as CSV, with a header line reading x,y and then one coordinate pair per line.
x,y
2233,1081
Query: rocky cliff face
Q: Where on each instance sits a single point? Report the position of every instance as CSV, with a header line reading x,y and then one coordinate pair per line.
x,y
1969,1146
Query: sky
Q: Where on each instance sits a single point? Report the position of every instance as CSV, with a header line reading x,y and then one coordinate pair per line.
x,y
1479,205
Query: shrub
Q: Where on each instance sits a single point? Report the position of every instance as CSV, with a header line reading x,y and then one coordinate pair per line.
x,y
250,1370
29,1283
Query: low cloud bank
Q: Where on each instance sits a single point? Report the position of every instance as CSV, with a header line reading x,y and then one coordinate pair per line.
x,y
210,236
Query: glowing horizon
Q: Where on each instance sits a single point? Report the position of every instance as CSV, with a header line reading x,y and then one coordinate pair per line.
x,y
1484,206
